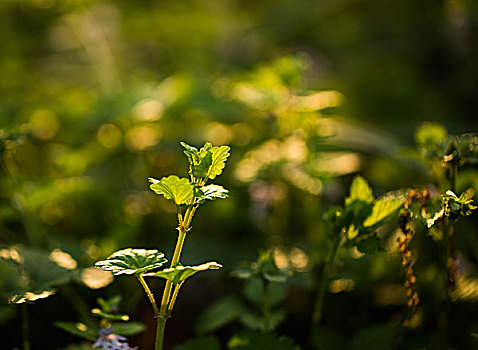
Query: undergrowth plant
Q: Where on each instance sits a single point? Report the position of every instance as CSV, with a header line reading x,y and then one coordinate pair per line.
x,y
187,194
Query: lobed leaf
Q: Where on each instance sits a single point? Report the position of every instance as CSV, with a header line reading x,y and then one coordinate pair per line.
x,y
211,192
178,274
219,158
179,190
359,191
132,261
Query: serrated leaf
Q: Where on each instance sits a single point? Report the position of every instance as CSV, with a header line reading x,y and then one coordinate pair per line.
x,y
179,190
359,191
190,152
219,158
211,192
383,210
199,161
132,261
78,329
128,328
178,274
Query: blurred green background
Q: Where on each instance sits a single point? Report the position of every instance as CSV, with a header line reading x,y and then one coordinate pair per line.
x,y
95,96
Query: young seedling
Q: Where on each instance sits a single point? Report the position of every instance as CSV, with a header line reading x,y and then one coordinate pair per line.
x,y
187,195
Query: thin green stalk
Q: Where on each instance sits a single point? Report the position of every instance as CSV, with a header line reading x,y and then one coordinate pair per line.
x,y
167,305
148,293
25,328
173,298
266,306
324,275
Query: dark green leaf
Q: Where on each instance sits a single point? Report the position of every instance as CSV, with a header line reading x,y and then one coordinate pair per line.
x,y
219,314
132,261
79,329
369,245
128,328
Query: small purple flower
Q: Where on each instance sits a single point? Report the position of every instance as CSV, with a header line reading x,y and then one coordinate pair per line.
x,y
110,341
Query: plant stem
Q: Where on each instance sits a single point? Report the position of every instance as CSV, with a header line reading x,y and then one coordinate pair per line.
x,y
324,275
167,306
160,327
148,293
266,305
25,329
173,298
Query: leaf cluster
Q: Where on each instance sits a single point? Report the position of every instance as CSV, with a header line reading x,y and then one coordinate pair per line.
x,y
362,215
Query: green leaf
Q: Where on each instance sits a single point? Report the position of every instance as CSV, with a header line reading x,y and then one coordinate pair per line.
x,y
219,157
178,274
369,245
202,343
383,210
40,274
112,317
212,192
359,191
128,328
219,314
265,267
253,320
260,341
79,329
199,161
132,261
179,190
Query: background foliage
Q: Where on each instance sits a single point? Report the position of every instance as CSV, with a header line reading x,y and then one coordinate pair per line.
x,y
96,95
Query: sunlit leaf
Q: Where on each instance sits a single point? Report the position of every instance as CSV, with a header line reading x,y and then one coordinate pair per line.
x,y
178,274
219,157
359,191
79,329
132,261
383,210
179,190
199,161
212,192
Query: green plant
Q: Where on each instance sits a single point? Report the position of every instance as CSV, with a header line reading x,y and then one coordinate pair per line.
x,y
354,225
187,195
112,328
